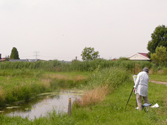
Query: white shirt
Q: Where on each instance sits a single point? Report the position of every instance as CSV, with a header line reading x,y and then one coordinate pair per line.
x,y
141,84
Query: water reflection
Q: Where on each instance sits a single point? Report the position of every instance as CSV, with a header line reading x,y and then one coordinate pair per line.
x,y
41,106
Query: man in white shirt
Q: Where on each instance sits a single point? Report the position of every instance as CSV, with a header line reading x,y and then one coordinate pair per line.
x,y
141,87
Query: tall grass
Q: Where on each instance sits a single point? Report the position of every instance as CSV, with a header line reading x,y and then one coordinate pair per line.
x,y
101,83
92,97
23,84
112,77
49,65
76,65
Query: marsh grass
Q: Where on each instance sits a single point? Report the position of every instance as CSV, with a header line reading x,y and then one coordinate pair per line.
x,y
111,111
75,65
112,77
65,77
22,84
46,83
92,97
101,83
1,94
104,110
67,83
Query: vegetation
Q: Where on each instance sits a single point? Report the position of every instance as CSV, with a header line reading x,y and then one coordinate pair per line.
x,y
14,54
160,78
159,38
89,54
159,57
107,86
101,83
123,58
22,85
57,66
110,111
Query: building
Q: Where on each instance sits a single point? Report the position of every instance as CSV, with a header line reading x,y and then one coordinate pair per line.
x,y
140,57
23,60
2,59
18,60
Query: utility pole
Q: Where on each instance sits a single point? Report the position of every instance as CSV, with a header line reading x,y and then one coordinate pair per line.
x,y
36,54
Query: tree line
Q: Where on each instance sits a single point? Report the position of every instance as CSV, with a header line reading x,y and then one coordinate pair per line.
x,y
157,48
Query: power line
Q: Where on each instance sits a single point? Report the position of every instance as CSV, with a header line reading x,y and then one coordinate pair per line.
x,y
36,54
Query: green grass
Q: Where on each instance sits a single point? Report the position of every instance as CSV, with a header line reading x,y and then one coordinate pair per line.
x,y
76,65
109,112
162,78
22,84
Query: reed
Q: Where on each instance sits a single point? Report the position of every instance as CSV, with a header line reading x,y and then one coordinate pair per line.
x,y
101,83
75,65
22,84
92,97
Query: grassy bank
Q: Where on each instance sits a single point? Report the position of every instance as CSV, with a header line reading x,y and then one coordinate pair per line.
x,y
23,84
110,111
107,92
101,83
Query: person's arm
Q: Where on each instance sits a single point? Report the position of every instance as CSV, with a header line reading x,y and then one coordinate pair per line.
x,y
137,81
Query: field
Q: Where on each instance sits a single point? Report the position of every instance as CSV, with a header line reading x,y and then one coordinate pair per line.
x,y
106,93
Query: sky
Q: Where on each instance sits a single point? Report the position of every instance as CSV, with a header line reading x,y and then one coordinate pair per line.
x,y
61,29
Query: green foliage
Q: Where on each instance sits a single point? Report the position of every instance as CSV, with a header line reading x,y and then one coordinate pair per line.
x,y
113,77
76,65
22,84
89,54
46,65
67,84
14,54
123,58
160,56
159,38
109,112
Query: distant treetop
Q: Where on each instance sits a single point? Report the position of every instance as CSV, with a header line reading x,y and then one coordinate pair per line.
x,y
14,54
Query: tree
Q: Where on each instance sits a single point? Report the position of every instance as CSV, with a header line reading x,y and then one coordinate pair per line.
x,y
14,54
159,38
159,57
89,54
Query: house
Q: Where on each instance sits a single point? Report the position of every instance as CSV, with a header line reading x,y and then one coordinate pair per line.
x,y
2,59
140,57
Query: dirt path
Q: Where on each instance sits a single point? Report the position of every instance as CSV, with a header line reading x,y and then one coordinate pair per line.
x,y
165,83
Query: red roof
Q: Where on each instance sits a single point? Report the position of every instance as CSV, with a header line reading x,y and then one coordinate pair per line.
x,y
114,59
144,54
3,59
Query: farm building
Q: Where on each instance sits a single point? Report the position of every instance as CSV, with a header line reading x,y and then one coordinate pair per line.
x,y
140,57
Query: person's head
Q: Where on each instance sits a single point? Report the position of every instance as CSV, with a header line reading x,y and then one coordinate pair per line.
x,y
146,69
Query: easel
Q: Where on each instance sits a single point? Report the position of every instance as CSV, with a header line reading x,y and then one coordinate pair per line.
x,y
134,79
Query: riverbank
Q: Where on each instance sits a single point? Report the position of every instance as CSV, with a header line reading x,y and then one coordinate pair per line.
x,y
21,85
110,111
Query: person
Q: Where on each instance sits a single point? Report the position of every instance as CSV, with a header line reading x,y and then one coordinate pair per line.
x,y
141,87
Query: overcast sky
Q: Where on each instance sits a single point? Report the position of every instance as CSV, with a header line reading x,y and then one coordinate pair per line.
x,y
61,29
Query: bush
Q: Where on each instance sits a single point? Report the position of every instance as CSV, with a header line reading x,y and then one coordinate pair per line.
x,y
112,77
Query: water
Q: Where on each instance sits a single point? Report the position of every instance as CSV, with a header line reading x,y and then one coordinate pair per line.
x,y
42,105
